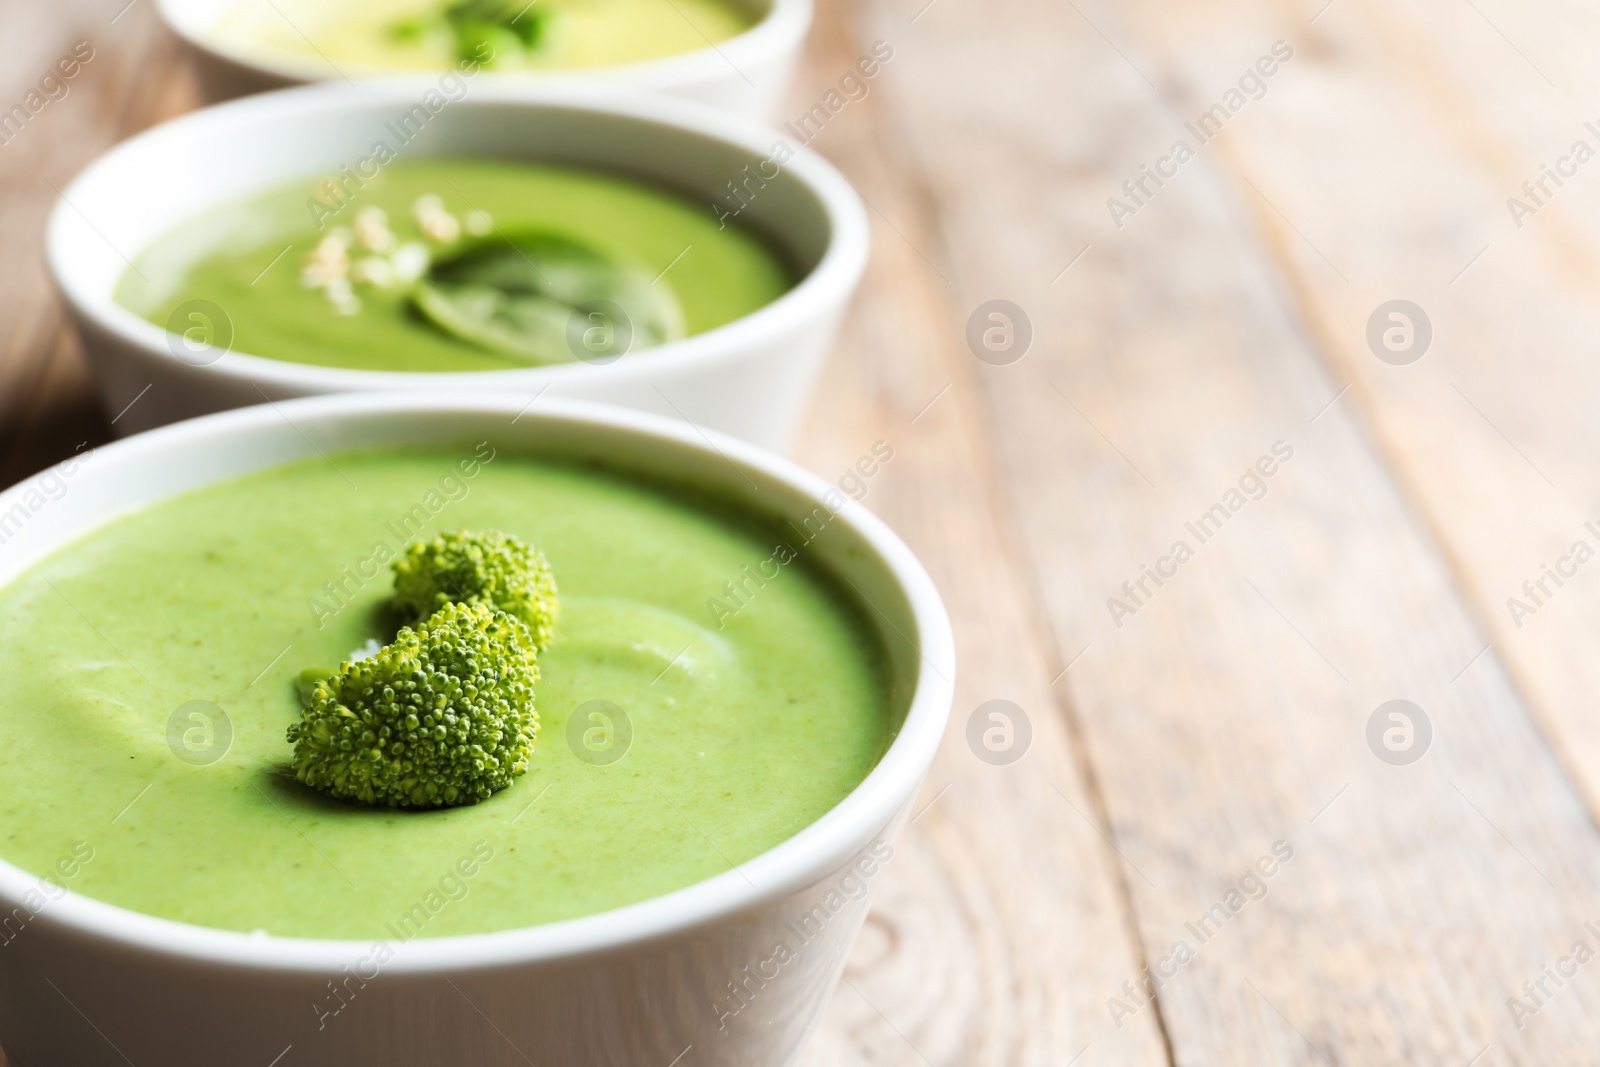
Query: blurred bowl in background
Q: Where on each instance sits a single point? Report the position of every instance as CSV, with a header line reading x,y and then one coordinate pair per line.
x,y
747,74
751,377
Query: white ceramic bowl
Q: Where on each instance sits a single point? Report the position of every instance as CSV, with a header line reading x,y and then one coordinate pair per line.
x,y
92,985
750,377
747,75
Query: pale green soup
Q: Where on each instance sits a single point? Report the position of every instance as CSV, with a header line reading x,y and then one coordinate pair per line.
x,y
360,36
745,726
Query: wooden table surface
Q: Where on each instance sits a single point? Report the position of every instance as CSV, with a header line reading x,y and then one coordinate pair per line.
x,y
1199,795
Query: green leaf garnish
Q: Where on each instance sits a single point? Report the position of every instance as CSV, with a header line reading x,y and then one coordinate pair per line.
x,y
542,298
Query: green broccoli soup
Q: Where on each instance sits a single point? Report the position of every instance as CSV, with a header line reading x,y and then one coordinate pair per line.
x,y
425,692
370,36
452,264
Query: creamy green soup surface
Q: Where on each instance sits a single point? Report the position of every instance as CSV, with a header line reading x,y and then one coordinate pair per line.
x,y
150,672
329,270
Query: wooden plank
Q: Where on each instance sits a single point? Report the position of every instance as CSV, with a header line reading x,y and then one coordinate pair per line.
x,y
1493,427
1229,711
1003,921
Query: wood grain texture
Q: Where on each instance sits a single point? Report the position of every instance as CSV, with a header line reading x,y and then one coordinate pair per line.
x,y
1493,430
998,931
1229,712
1458,108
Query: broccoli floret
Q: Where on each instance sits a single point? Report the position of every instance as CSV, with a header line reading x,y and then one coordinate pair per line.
x,y
442,716
492,566
489,31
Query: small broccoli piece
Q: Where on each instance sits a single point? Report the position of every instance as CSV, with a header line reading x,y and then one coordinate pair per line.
x,y
492,566
442,716
491,32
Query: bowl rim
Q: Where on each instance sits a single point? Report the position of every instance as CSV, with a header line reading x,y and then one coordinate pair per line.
x,y
781,29
829,282
866,813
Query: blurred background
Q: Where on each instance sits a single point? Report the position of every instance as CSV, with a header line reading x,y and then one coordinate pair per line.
x,y
1236,360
